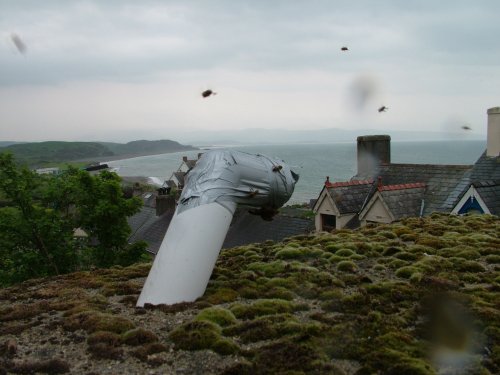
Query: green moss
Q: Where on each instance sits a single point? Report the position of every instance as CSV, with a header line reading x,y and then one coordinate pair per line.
x,y
106,337
289,253
405,255
416,277
92,321
344,253
121,288
406,272
287,357
397,263
259,329
464,265
270,269
379,268
336,259
387,234
493,259
220,295
23,311
138,336
420,249
394,362
277,293
202,334
430,241
391,250
142,352
217,315
357,257
408,237
282,282
347,266
263,307
50,366
225,346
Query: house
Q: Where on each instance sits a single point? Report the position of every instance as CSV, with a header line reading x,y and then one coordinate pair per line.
x,y
52,171
384,192
180,173
338,204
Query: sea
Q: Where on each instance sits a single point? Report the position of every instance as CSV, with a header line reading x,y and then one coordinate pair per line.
x,y
312,162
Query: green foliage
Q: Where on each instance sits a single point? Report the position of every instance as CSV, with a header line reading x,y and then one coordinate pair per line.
x,y
41,213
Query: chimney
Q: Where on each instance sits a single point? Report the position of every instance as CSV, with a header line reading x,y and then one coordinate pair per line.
x,y
493,137
164,203
373,150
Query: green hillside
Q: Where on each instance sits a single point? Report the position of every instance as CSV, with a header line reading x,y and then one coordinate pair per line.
x,y
416,297
54,152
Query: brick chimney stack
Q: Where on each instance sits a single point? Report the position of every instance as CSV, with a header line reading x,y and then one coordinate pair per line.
x,y
373,150
493,137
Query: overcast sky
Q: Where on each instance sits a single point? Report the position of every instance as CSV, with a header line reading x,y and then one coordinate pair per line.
x,y
124,70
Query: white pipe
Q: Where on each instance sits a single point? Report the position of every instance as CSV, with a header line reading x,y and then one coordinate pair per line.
x,y
187,255
219,181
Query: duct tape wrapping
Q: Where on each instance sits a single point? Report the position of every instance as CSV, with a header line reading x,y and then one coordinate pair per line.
x,y
225,176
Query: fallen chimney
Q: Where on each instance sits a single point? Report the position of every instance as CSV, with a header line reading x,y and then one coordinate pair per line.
x,y
493,137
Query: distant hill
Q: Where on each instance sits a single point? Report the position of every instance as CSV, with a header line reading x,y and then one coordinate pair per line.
x,y
52,152
8,143
143,146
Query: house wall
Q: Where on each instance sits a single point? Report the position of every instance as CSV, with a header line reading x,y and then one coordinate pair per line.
x,y
325,207
377,213
342,220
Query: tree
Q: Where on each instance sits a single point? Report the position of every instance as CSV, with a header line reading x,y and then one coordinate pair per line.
x,y
33,237
36,227
102,213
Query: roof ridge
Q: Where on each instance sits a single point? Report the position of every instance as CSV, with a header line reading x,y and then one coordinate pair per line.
x,y
348,183
412,185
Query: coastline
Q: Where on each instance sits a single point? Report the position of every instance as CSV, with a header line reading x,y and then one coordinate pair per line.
x,y
105,159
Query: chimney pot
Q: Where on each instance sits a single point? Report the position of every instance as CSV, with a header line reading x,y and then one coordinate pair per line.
x,y
373,150
493,137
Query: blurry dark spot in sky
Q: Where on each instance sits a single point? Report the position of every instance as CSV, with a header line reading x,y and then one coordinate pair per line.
x,y
383,109
18,42
207,93
362,89
344,48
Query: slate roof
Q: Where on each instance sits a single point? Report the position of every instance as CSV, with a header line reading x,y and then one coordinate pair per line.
x,y
246,228
180,177
444,182
146,226
485,175
490,193
349,196
403,200
486,168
